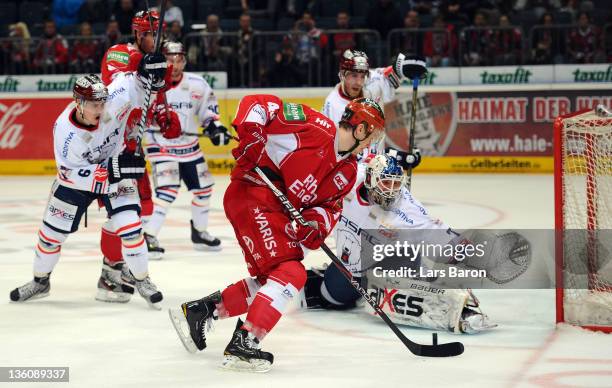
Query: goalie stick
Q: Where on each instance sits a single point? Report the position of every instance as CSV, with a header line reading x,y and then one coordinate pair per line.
x,y
436,350
149,85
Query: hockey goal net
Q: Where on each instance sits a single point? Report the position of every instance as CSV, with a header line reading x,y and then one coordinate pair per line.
x,y
583,219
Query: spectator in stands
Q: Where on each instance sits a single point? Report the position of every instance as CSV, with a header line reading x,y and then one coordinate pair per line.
x,y
454,14
85,52
94,11
384,16
476,42
546,49
424,7
245,34
308,41
173,13
123,12
16,51
174,32
259,8
210,50
585,41
286,71
411,42
506,44
113,35
66,12
439,46
344,40
51,54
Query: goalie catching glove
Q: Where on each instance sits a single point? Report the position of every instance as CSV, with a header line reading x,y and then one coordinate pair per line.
x,y
217,133
314,235
125,166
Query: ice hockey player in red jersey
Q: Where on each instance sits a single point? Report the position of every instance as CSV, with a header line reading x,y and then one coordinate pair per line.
x,y
314,163
121,58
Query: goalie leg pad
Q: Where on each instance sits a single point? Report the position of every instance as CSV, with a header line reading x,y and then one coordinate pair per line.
x,y
420,304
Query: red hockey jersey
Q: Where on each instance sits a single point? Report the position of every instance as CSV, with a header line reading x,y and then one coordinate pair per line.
x,y
300,154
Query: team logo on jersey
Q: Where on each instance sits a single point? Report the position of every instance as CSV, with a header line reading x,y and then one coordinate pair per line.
x,y
100,177
289,231
118,56
305,189
249,243
294,112
340,181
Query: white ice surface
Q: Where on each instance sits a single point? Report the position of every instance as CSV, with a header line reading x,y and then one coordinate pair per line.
x,y
111,345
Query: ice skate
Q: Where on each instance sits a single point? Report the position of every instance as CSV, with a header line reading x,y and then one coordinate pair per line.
x,y
203,241
148,290
243,353
111,287
193,319
155,251
35,289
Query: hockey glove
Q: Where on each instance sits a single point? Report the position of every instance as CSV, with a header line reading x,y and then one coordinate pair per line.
x,y
167,119
389,73
218,134
251,146
405,159
156,66
125,166
314,235
410,67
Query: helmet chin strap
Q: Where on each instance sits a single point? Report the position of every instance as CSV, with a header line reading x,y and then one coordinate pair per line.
x,y
355,145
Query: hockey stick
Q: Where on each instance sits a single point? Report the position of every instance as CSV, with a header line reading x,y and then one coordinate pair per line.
x,y
436,350
149,84
415,87
187,133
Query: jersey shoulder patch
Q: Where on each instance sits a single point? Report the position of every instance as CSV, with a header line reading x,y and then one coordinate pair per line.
x,y
118,56
293,112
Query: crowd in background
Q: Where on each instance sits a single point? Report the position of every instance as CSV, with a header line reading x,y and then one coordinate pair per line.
x,y
298,42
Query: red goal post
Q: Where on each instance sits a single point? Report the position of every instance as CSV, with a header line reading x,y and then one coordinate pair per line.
x,y
583,219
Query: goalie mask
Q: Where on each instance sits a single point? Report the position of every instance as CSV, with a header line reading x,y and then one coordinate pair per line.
x,y
384,180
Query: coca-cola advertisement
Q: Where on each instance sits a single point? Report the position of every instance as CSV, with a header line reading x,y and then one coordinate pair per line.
x,y
26,127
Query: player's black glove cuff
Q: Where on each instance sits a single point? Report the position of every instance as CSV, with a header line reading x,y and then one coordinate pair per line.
x,y
125,166
156,66
218,134
406,160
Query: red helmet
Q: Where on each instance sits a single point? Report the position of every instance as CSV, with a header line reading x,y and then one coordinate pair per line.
x,y
170,48
143,20
353,60
90,88
364,110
